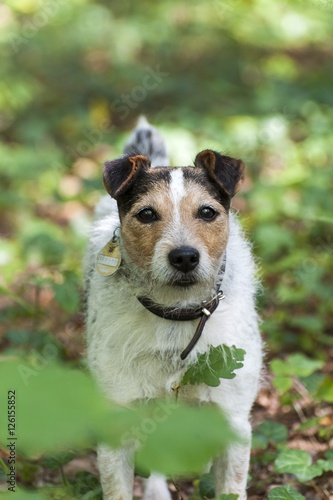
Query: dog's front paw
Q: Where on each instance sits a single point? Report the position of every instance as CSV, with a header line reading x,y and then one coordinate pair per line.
x,y
156,489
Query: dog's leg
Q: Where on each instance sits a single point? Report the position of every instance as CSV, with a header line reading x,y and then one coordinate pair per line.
x,y
156,488
116,473
231,468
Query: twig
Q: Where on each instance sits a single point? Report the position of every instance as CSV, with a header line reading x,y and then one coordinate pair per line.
x,y
325,495
178,490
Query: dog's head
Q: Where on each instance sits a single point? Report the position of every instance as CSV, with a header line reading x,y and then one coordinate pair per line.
x,y
174,221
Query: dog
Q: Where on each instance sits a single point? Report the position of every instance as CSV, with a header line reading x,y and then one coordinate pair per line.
x,y
164,245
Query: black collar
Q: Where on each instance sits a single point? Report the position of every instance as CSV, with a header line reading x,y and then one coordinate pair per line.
x,y
189,314
186,314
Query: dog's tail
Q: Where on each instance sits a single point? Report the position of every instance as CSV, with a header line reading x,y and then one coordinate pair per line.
x,y
146,140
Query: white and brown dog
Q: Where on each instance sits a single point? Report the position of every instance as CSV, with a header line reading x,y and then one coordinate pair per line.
x,y
178,243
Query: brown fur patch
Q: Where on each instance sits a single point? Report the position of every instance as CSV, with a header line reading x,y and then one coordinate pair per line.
x,y
140,239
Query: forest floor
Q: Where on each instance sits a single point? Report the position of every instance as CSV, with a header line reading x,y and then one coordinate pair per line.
x,y
69,335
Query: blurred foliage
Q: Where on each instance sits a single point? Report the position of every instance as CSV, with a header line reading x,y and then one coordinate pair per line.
x,y
85,418
250,78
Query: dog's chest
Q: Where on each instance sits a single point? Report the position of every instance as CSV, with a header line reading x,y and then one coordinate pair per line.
x,y
131,350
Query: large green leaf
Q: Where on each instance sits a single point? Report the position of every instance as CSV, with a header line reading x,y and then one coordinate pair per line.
x,y
269,431
284,493
219,362
297,462
297,365
58,408
178,439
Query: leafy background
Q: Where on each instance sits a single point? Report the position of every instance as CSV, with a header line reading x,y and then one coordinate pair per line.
x,y
251,78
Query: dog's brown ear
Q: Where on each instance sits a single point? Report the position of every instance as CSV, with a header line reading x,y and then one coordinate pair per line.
x,y
225,171
119,175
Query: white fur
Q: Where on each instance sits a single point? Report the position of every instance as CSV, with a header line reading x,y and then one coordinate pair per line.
x,y
177,192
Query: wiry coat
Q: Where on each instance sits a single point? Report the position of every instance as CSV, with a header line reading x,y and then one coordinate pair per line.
x,y
136,355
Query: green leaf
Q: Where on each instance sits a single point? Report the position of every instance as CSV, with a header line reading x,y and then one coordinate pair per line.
x,y
67,294
18,337
283,384
188,436
269,431
219,362
58,408
53,462
297,462
329,455
325,391
229,496
46,247
313,382
22,495
307,424
259,441
207,486
296,365
85,486
326,465
284,493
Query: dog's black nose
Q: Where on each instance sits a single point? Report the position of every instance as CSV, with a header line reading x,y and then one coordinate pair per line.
x,y
184,259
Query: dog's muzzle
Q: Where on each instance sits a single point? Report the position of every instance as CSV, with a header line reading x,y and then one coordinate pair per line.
x,y
189,314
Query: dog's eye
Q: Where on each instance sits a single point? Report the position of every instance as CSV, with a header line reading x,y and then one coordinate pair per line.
x,y
207,213
147,215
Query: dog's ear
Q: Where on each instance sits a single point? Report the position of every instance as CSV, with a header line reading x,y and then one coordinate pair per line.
x,y
225,171
119,175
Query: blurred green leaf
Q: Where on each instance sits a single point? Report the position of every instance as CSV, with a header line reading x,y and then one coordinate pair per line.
x,y
207,486
297,365
273,239
284,493
282,384
23,495
86,486
325,390
230,496
299,463
53,462
269,431
313,382
77,414
188,441
67,293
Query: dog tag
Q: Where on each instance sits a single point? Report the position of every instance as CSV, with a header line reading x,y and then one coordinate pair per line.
x,y
108,259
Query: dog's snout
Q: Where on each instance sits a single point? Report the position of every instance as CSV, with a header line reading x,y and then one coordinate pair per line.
x,y
184,259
